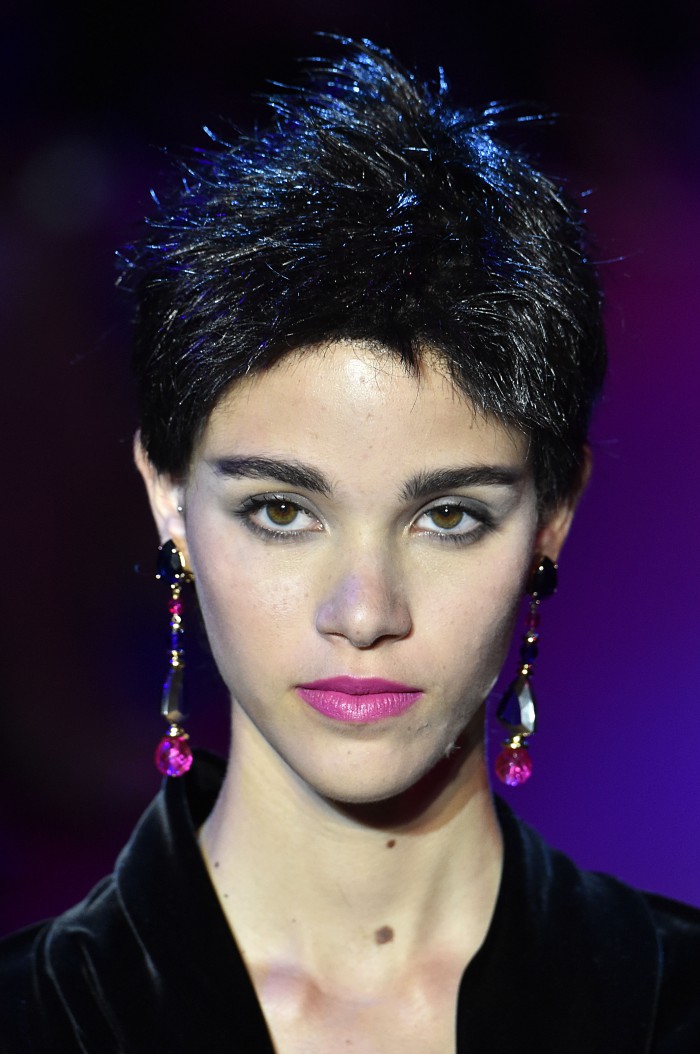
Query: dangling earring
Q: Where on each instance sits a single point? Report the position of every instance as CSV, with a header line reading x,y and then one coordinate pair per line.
x,y
173,754
517,709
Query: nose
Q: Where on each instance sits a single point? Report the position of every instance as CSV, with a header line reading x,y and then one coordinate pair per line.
x,y
365,604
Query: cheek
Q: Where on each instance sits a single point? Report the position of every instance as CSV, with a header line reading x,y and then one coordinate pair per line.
x,y
249,605
482,632
473,620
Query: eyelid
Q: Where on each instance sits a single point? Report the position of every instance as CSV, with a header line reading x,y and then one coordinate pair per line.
x,y
473,506
258,500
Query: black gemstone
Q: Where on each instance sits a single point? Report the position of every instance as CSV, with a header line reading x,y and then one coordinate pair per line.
x,y
171,562
543,581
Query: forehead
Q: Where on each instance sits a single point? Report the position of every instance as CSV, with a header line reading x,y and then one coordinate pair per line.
x,y
350,402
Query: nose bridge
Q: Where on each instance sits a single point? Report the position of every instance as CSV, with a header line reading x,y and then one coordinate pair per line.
x,y
366,598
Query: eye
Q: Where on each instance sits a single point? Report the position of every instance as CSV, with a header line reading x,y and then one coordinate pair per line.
x,y
277,516
453,520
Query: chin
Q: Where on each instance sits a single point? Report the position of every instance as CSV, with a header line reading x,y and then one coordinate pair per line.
x,y
347,789
408,787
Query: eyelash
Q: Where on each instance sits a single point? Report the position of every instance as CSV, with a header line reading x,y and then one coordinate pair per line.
x,y
482,518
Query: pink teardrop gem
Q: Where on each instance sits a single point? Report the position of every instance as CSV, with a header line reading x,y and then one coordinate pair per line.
x,y
513,766
174,755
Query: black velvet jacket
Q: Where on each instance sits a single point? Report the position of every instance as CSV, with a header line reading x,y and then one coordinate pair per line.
x,y
573,962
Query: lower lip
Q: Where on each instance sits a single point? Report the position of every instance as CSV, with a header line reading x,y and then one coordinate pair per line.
x,y
358,709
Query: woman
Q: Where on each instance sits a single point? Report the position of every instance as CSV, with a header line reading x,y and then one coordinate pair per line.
x,y
368,343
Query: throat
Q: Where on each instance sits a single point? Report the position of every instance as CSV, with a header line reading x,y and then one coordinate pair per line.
x,y
356,886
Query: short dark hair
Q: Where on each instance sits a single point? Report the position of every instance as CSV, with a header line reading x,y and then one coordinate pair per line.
x,y
370,210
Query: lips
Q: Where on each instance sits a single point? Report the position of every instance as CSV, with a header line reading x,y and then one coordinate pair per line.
x,y
358,699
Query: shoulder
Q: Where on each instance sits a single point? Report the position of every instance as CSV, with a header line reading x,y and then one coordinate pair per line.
x,y
17,996
611,962
149,941
53,973
677,927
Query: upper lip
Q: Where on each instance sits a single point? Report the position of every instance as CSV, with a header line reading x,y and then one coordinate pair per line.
x,y
358,685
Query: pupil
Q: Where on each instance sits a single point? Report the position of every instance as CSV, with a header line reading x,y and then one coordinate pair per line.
x,y
281,513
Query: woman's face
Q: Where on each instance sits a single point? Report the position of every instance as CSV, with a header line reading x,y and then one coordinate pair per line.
x,y
360,539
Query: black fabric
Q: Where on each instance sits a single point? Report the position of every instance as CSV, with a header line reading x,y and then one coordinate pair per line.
x,y
573,962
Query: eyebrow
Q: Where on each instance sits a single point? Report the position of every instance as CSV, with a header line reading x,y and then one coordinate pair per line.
x,y
423,484
293,473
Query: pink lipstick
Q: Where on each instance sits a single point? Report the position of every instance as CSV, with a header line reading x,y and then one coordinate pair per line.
x,y
358,699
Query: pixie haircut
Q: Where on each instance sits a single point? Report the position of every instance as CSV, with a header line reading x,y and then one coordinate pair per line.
x,y
370,210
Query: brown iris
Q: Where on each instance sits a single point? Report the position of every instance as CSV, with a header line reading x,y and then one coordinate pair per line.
x,y
281,513
446,517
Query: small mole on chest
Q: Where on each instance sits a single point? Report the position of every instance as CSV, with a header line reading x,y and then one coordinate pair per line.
x,y
383,935
391,843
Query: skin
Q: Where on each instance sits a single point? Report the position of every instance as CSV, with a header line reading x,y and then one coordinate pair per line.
x,y
360,579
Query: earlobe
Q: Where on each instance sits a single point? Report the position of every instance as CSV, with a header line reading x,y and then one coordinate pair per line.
x,y
553,532
555,528
165,496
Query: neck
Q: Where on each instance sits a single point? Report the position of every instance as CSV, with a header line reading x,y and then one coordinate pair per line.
x,y
300,877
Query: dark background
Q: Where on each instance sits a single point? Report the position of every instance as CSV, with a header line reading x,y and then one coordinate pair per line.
x,y
88,99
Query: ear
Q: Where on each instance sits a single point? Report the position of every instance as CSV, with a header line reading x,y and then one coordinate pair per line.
x,y
554,527
166,498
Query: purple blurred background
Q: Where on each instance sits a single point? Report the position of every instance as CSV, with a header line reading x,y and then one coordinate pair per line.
x,y
88,98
